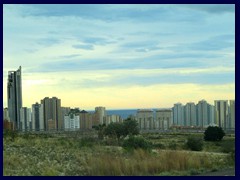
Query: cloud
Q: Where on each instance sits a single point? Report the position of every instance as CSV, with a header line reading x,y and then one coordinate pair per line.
x,y
213,8
83,46
48,41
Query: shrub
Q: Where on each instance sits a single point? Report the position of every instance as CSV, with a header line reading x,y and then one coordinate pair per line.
x,y
194,143
172,145
136,143
213,133
87,142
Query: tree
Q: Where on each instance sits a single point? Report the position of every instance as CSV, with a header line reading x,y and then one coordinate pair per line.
x,y
194,143
121,130
100,128
115,130
213,133
130,127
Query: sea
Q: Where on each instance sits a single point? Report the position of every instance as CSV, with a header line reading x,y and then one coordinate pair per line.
x,y
124,113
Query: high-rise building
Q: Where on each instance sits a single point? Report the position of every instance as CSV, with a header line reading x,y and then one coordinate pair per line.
x,y
112,119
163,119
101,113
25,119
71,122
205,115
178,114
190,114
145,118
52,112
14,96
6,114
232,115
221,113
37,117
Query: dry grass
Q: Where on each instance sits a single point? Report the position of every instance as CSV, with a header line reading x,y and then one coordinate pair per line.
x,y
144,163
59,156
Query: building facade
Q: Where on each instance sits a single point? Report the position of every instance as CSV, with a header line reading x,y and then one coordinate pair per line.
x,y
205,114
145,119
6,114
100,113
71,122
25,119
14,96
178,114
190,114
112,119
52,112
232,115
221,113
37,117
164,118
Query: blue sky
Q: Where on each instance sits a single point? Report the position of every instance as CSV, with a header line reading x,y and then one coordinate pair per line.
x,y
121,56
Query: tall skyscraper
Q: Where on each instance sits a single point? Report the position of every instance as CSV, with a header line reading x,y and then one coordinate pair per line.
x,y
14,93
190,114
37,117
52,113
178,114
221,113
205,115
25,119
232,115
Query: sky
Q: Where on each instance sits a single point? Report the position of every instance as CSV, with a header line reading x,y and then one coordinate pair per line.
x,y
121,56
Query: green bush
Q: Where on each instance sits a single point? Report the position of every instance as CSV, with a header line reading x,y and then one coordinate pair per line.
x,y
194,143
87,142
172,145
136,143
213,133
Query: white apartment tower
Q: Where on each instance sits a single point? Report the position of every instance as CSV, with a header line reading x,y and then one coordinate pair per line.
x,y
232,115
178,114
221,113
190,114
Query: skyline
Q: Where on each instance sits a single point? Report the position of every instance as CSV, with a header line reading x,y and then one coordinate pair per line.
x,y
121,56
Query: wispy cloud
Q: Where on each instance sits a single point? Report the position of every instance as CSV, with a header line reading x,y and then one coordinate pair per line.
x,y
104,46
83,46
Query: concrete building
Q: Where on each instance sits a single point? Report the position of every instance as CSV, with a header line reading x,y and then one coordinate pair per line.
x,y
86,120
232,115
145,119
164,118
71,122
14,96
221,113
178,114
25,119
6,114
112,119
65,111
37,117
52,111
205,115
190,114
100,113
